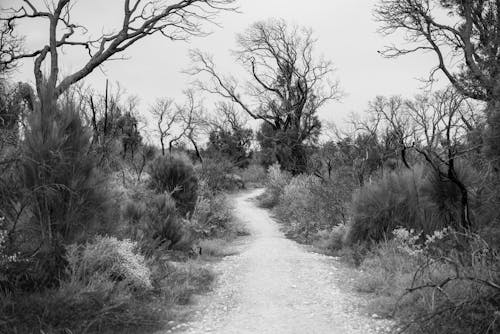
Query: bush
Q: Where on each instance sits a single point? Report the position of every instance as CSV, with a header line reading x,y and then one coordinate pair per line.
x,y
175,175
218,175
275,184
394,200
312,208
254,175
331,240
68,194
108,260
445,196
446,282
163,223
293,207
153,221
212,217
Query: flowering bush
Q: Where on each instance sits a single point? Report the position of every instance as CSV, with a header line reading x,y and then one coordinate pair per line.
x,y
5,258
406,241
108,260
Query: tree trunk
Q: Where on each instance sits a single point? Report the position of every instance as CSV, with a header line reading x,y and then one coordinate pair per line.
x,y
162,142
198,154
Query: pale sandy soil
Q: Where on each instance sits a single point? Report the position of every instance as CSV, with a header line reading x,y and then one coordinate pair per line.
x,y
273,285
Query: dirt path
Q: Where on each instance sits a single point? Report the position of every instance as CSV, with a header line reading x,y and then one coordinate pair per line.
x,y
274,286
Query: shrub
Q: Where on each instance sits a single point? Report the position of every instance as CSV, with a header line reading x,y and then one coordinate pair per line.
x,y
163,224
446,282
175,175
293,207
445,196
311,207
394,200
212,217
254,175
275,184
332,239
69,196
108,260
218,174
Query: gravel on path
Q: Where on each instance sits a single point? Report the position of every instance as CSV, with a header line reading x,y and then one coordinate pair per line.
x,y
275,285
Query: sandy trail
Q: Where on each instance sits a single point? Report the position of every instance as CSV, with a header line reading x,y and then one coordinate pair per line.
x,y
275,286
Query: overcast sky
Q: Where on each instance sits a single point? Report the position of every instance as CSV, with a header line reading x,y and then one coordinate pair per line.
x,y
345,29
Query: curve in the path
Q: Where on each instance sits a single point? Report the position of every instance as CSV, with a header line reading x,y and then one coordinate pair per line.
x,y
276,286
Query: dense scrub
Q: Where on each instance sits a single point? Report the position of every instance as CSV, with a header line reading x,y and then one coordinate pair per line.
x,y
401,233
100,232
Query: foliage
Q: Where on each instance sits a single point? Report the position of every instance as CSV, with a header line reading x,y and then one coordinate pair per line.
x,y
175,175
315,210
332,239
233,145
254,175
212,216
293,206
445,195
281,146
275,184
395,199
217,173
69,195
446,282
106,260
163,223
107,305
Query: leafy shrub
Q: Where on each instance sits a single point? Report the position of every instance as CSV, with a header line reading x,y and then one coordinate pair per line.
x,y
163,223
212,217
108,260
446,282
253,175
293,207
331,239
394,200
275,184
330,200
218,175
175,175
312,208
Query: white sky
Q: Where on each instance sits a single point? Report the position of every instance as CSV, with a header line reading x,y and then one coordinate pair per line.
x,y
345,29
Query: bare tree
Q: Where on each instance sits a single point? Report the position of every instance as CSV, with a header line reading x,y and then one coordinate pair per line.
x,y
392,123
287,84
464,36
442,122
436,126
193,121
10,44
176,20
167,116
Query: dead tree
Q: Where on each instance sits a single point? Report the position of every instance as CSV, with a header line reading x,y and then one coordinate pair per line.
x,y
440,134
193,121
287,83
464,36
176,20
167,116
